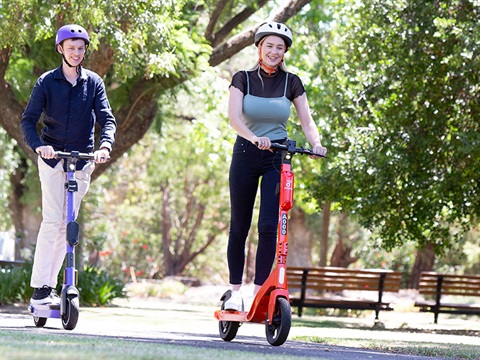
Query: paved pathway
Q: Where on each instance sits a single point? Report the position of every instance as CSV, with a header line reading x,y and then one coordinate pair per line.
x,y
183,323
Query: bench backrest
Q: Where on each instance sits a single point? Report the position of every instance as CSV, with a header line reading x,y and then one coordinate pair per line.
x,y
339,279
432,283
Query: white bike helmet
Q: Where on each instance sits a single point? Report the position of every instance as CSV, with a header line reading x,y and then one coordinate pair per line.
x,y
274,28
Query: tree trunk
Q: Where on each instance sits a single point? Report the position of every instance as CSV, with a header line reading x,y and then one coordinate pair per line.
x,y
423,262
24,217
300,239
341,256
324,234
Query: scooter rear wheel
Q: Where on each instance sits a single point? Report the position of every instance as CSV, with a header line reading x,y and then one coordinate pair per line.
x,y
72,309
228,329
277,331
39,321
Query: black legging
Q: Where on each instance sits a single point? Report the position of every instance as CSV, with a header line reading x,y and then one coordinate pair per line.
x,y
249,164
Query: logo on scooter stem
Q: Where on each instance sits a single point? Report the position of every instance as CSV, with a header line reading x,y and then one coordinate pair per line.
x,y
284,224
288,185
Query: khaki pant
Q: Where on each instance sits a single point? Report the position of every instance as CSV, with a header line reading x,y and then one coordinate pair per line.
x,y
51,240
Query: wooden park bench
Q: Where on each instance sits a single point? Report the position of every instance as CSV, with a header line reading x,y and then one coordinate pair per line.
x,y
11,263
441,292
340,288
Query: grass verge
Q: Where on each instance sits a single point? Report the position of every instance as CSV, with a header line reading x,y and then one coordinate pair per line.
x,y
20,345
450,351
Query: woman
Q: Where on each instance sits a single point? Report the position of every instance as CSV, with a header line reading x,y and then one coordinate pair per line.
x,y
259,107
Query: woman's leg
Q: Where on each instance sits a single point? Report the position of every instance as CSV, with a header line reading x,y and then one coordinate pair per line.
x,y
243,188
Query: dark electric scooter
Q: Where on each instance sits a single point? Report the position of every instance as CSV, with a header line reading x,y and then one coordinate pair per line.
x,y
68,310
271,305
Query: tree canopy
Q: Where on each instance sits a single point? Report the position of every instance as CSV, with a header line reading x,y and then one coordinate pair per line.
x,y
141,48
401,92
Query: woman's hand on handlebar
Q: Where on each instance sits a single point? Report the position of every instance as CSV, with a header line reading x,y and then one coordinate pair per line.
x,y
262,143
320,150
45,151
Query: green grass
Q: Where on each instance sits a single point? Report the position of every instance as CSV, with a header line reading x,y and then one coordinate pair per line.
x,y
16,345
434,349
451,351
340,324
19,345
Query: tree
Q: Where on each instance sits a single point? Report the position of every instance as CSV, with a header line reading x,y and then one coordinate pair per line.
x,y
403,87
141,48
168,202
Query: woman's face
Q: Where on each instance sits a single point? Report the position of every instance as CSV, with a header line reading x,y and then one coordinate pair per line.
x,y
272,49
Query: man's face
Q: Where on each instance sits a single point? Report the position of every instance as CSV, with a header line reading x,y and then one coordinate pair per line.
x,y
73,50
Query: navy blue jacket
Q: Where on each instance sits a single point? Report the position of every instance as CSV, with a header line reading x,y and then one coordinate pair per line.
x,y
69,114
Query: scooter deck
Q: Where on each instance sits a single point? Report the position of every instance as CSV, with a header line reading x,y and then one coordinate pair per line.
x,y
228,315
241,316
45,311
257,313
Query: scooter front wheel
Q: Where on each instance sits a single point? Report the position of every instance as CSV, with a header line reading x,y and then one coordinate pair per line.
x,y
277,331
228,329
39,321
72,309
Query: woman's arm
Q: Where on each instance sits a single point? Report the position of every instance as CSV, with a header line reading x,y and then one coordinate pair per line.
x,y
235,103
308,125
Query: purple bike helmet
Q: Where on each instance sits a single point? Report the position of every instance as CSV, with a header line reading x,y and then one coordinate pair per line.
x,y
71,31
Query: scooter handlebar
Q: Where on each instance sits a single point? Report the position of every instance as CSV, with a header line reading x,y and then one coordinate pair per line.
x,y
73,154
295,150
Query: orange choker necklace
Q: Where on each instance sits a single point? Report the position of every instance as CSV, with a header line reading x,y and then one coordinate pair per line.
x,y
269,70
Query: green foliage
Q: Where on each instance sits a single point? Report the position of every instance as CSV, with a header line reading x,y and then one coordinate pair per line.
x,y
402,80
148,38
15,284
181,165
98,288
8,160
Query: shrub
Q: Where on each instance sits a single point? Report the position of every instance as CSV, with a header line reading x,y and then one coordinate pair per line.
x,y
97,288
15,284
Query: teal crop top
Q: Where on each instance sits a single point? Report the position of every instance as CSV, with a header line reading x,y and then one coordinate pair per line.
x,y
266,116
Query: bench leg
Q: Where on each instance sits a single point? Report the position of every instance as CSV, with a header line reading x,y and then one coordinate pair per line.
x,y
435,317
300,310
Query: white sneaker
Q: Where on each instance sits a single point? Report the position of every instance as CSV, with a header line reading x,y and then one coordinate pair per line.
x,y
234,302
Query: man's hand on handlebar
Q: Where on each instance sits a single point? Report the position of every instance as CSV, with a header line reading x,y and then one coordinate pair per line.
x,y
45,151
101,156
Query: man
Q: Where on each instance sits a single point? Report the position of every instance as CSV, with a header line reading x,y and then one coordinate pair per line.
x,y
70,100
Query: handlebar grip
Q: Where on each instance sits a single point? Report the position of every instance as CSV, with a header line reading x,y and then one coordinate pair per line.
x,y
277,146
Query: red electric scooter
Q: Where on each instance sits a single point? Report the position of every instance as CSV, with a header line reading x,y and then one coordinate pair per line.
x,y
271,305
